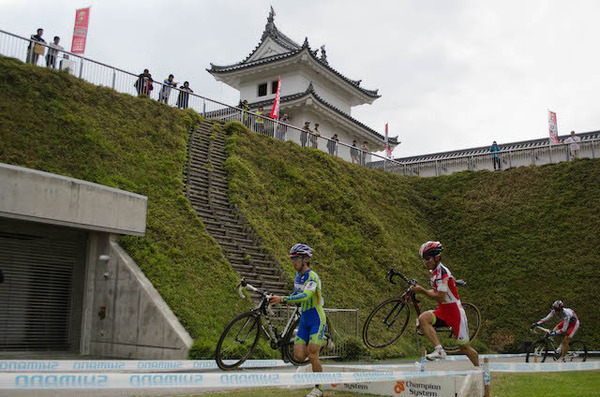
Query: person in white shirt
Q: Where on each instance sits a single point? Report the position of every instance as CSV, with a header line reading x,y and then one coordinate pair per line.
x,y
573,142
53,52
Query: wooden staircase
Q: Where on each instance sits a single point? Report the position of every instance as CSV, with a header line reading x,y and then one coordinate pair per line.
x,y
206,188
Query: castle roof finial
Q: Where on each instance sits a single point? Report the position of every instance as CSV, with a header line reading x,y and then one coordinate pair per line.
x,y
324,55
305,44
270,26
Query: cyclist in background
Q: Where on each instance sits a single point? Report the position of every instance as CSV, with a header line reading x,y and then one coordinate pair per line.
x,y
449,312
307,292
569,325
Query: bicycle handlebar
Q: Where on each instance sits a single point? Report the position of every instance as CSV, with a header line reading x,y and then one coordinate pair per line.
x,y
546,330
392,273
243,285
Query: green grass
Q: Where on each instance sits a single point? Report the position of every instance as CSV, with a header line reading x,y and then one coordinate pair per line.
x,y
54,122
559,384
521,238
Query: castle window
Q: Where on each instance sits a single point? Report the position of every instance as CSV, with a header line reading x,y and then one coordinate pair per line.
x,y
262,89
274,87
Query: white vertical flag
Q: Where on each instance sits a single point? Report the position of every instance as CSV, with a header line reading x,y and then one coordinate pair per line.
x,y
553,128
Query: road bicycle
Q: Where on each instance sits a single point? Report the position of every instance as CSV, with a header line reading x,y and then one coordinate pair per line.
x,y
544,348
241,335
386,323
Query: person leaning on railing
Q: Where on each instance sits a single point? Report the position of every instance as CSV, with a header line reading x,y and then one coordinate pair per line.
x,y
573,142
35,50
332,145
282,127
495,150
53,51
314,137
259,122
143,84
184,95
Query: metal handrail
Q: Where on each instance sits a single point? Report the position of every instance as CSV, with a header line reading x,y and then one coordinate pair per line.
x,y
218,109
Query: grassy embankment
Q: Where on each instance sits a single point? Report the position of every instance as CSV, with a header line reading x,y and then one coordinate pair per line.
x,y
522,238
54,122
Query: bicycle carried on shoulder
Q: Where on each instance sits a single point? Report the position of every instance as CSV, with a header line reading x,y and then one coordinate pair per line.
x,y
543,348
386,323
241,335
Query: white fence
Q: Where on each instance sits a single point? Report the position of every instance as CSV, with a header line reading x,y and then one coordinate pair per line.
x,y
509,158
101,74
123,81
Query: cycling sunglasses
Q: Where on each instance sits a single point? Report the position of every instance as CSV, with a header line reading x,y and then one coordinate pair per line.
x,y
426,258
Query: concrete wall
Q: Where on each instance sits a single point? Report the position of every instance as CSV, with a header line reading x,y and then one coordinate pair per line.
x,y
49,198
136,323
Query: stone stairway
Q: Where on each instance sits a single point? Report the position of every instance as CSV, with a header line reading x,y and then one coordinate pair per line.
x,y
206,188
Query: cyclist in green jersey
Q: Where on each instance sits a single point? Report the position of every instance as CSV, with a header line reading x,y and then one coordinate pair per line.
x,y
307,292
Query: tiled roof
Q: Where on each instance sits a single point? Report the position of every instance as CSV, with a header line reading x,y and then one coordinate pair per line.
x,y
533,143
311,92
293,49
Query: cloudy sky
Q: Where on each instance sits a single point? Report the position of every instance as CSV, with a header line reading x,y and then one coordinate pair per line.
x,y
452,74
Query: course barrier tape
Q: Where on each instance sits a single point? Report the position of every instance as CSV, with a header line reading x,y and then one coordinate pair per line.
x,y
65,380
123,365
481,356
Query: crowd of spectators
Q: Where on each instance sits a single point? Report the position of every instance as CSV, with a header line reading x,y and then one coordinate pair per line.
x,y
55,55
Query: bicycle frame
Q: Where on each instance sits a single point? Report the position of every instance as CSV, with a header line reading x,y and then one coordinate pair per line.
x,y
262,309
409,295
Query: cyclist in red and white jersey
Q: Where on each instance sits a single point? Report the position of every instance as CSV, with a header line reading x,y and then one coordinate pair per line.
x,y
449,312
568,326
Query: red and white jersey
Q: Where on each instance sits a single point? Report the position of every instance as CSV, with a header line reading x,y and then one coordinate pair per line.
x,y
442,280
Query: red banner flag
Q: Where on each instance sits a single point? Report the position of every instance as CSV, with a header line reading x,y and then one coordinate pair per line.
x,y
553,127
82,20
275,111
388,150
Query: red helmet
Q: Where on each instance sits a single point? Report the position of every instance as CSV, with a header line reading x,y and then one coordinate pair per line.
x,y
431,248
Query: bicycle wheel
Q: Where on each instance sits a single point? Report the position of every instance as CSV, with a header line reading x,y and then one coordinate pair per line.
x,y
287,349
538,352
577,352
446,335
386,323
238,340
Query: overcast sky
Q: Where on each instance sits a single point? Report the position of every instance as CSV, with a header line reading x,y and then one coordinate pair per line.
x,y
452,74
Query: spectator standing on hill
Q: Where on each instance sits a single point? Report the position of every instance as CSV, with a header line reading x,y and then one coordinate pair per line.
x,y
184,95
282,127
332,145
1,276
53,52
34,50
314,137
364,150
354,155
165,91
495,150
245,111
573,142
143,85
304,133
259,122
449,312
